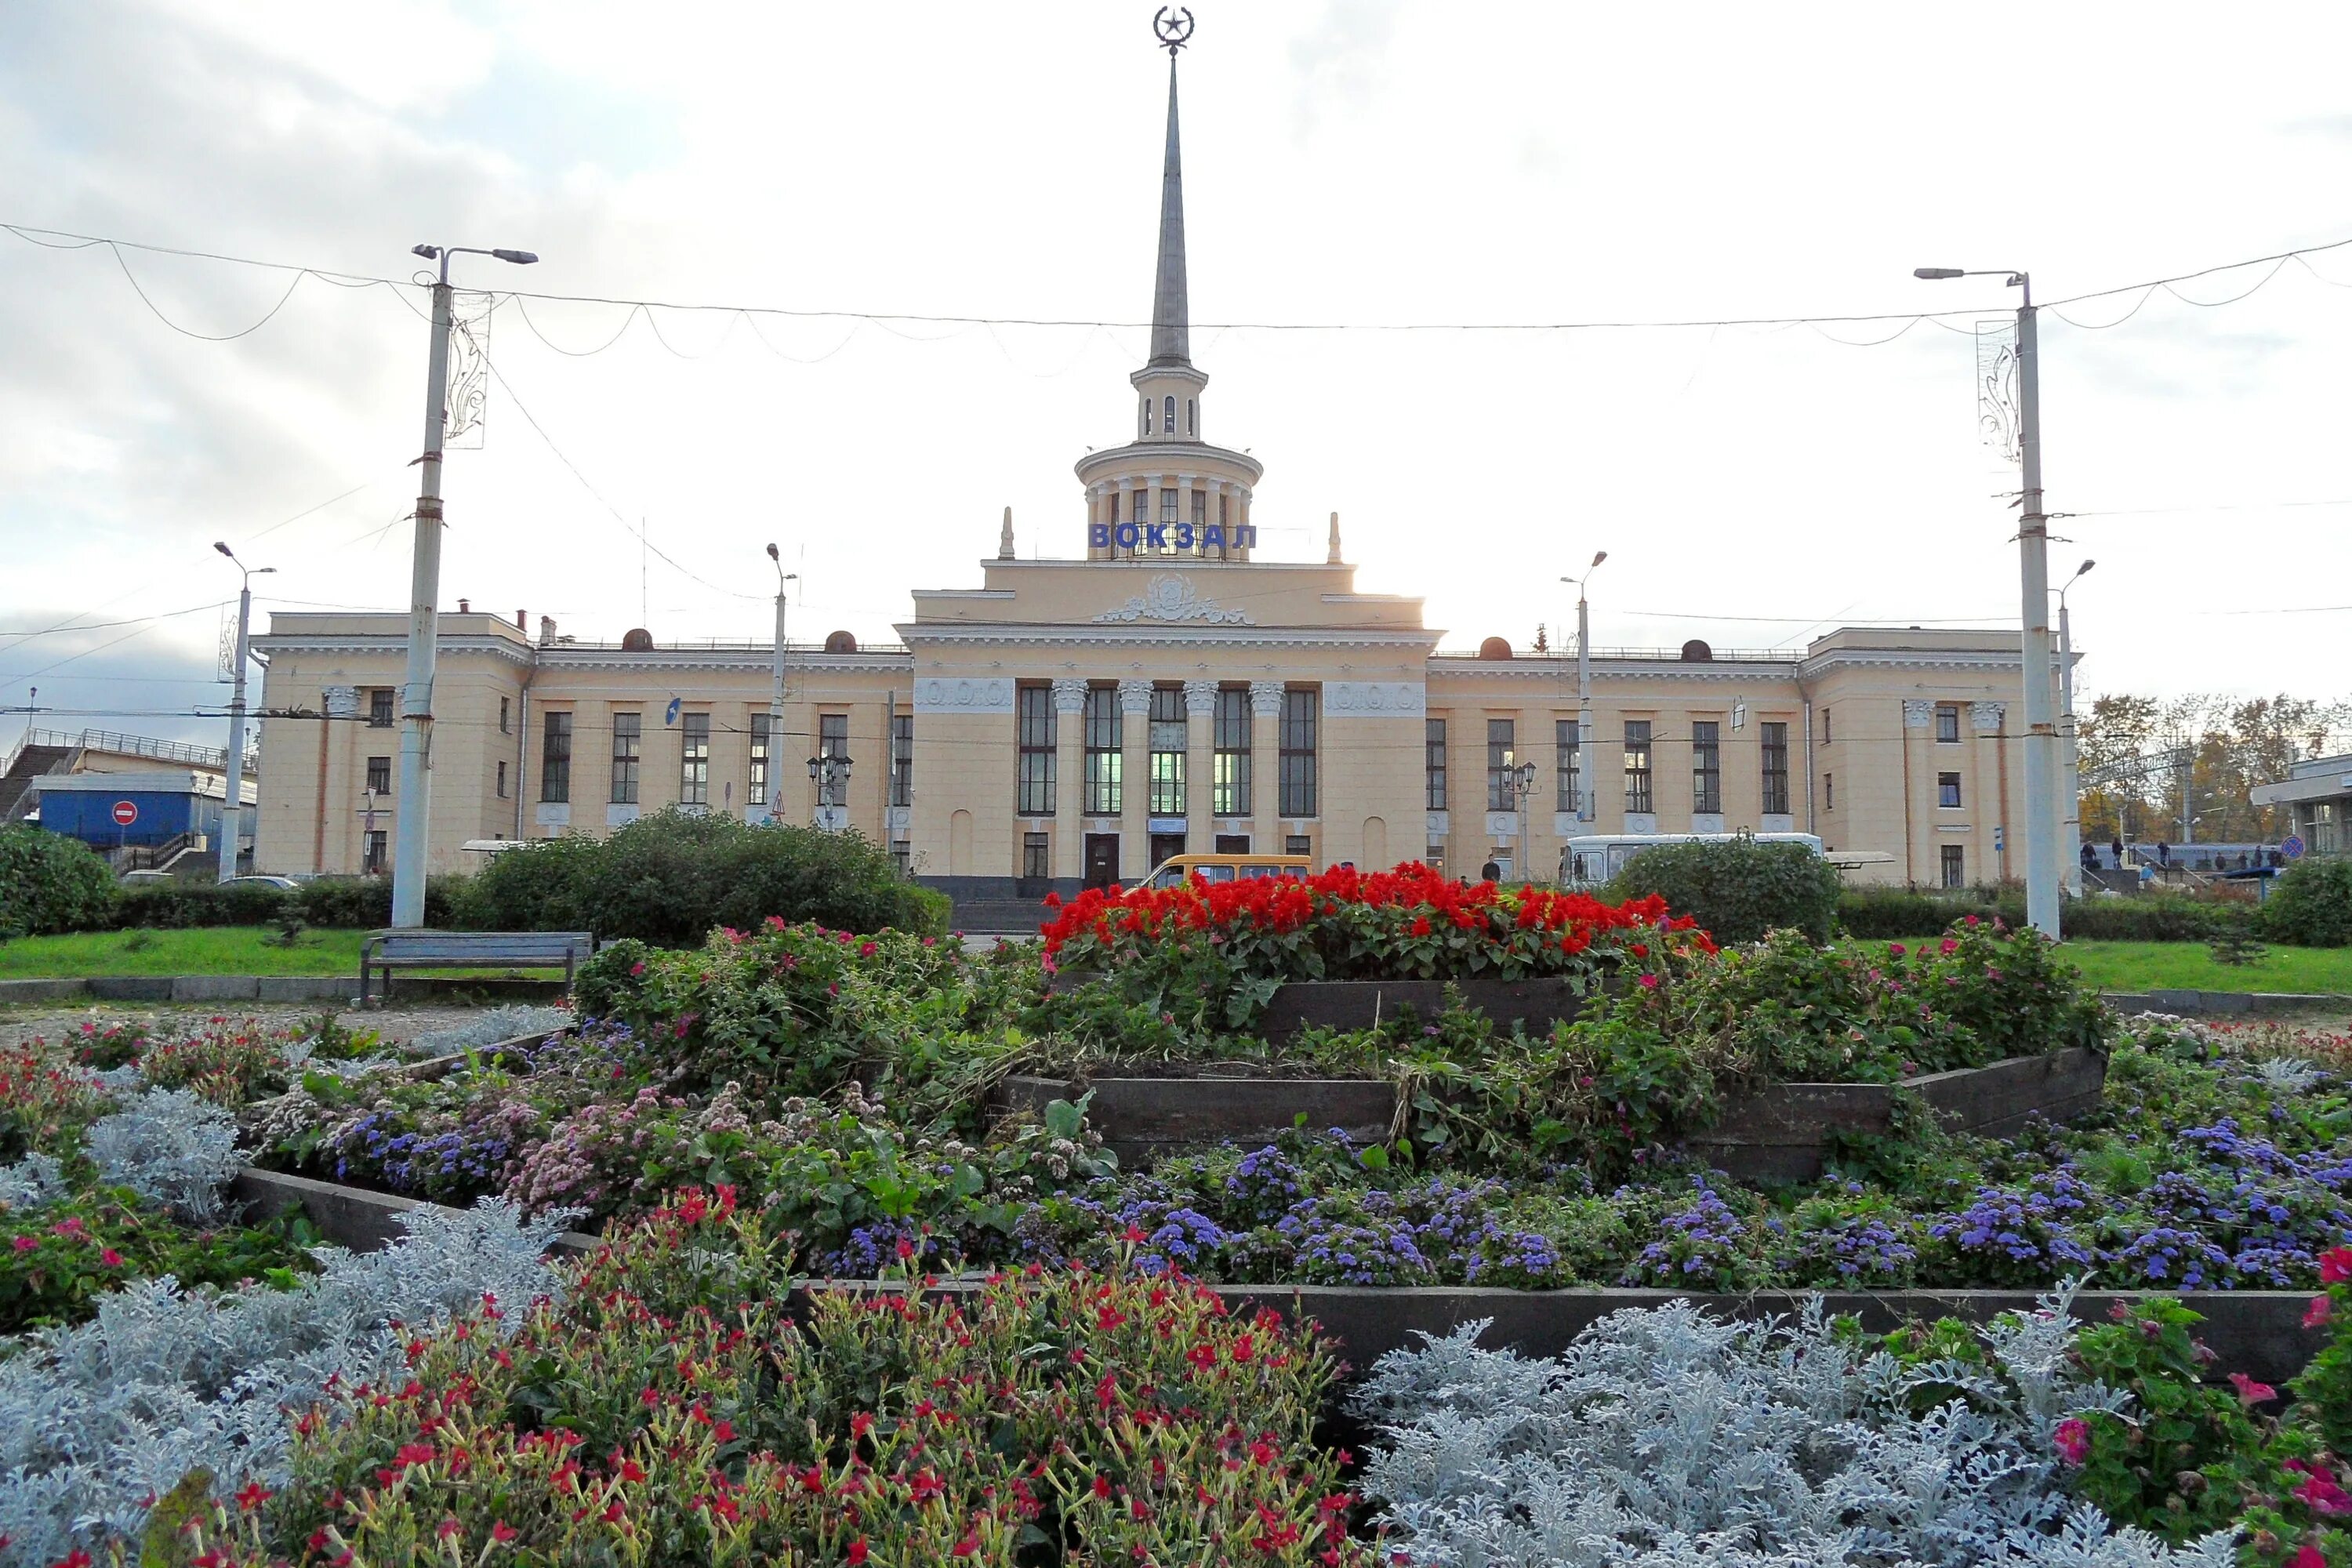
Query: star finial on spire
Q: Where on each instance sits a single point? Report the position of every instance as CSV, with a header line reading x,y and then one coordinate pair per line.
x,y
1173,28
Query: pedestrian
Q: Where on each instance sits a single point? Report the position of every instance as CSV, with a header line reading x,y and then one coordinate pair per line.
x,y
2116,849
2090,858
1490,872
2164,853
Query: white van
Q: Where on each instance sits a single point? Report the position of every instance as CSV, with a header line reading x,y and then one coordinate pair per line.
x,y
1590,860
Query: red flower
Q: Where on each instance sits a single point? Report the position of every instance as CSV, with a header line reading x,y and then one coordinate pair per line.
x,y
925,1487
2072,1439
2322,1496
414,1454
110,1258
254,1494
25,1244
858,1551
2317,1316
503,1533
2336,1266
2251,1393
1649,983
1102,1486
968,1547
449,1528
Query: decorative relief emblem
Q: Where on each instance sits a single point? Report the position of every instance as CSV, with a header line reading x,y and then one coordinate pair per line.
x,y
1171,597
1376,699
937,695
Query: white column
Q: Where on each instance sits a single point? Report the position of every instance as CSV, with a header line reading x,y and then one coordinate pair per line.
x,y
1200,765
1265,766
1135,799
1069,778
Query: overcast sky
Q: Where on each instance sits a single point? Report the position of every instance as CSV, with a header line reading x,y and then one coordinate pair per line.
x,y
1346,161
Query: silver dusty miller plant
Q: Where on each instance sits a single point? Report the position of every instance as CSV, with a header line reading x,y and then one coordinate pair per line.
x,y
1668,1438
98,1419
488,1028
170,1147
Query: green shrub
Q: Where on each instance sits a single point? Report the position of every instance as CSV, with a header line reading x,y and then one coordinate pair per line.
x,y
1736,889
2311,906
364,903
671,879
177,905
1899,913
49,882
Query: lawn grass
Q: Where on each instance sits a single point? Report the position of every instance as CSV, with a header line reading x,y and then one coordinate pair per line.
x,y
2189,966
210,950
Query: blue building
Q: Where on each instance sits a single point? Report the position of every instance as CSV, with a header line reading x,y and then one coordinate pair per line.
x,y
146,810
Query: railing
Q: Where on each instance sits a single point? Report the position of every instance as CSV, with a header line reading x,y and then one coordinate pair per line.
x,y
151,857
1645,655
213,757
716,645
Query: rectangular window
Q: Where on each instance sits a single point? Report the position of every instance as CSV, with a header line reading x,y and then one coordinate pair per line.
x,y
1232,738
1948,723
1166,742
1033,726
759,781
503,781
1638,795
1776,769
379,776
1224,509
902,759
1034,851
1103,758
1297,760
1707,766
694,758
1825,726
379,843
1500,734
1829,792
380,708
1433,763
1947,790
1954,865
1200,509
502,717
1568,766
832,741
556,760
627,729
1168,506
1297,844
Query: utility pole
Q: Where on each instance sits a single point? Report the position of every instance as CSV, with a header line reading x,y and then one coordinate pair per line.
x,y
2040,740
2070,791
776,696
232,808
1586,800
412,812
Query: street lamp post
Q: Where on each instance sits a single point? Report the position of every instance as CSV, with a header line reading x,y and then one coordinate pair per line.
x,y
1585,798
830,773
412,812
776,694
2070,791
1523,783
232,808
2033,571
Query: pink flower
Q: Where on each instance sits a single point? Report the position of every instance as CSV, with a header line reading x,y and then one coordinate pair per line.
x,y
2308,1557
2322,1496
2336,1266
1649,983
2316,1317
1895,949
113,1259
1950,946
2251,1393
25,1244
2072,1439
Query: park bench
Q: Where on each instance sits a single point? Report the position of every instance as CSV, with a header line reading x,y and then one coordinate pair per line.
x,y
386,951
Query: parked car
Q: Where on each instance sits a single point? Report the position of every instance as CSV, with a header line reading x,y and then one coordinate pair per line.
x,y
264,879
134,878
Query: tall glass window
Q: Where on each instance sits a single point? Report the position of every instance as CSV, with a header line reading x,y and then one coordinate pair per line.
x,y
902,759
555,759
629,731
1232,737
694,758
1433,765
1167,738
1776,769
760,759
1103,760
1639,797
831,741
1707,766
1168,416
1567,766
1500,736
1297,759
1034,721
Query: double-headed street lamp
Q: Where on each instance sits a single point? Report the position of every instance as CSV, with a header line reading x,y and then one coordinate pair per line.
x,y
233,809
830,772
412,811
775,778
2042,851
2070,764
1584,796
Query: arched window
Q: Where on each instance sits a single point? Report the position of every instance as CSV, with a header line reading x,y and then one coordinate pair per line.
x,y
1191,418
1147,416
1167,416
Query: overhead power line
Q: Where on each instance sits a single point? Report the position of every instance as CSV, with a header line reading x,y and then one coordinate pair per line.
x,y
61,239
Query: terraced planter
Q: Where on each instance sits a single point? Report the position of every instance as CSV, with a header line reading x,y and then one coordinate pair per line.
x,y
1778,1133
1533,1005
2259,1332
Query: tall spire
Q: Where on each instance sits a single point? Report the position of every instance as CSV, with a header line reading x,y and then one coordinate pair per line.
x,y
1172,315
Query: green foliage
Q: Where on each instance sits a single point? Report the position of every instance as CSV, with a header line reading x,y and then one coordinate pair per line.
x,y
1737,891
55,1259
2176,1463
1902,913
2235,944
331,903
670,878
49,882
2310,905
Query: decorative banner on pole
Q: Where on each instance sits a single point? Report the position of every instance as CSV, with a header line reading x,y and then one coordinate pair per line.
x,y
1997,412
224,667
469,370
